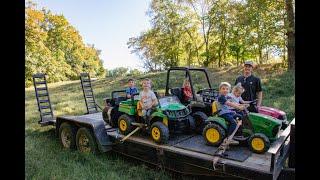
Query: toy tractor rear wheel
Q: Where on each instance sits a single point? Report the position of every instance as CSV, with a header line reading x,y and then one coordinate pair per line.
x,y
159,132
124,124
86,142
191,125
199,118
67,135
259,143
213,134
105,115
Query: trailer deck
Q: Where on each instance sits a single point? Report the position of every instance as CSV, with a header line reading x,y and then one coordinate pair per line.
x,y
188,153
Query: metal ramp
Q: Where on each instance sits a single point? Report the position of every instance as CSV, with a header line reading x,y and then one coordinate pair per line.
x,y
43,100
92,106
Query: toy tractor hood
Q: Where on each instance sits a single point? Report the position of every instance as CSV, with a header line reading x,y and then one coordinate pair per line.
x,y
173,107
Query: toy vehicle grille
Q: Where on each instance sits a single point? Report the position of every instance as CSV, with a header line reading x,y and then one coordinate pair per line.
x,y
178,113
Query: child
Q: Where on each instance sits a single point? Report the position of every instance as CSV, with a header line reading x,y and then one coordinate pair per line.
x,y
236,98
187,90
148,99
225,109
131,89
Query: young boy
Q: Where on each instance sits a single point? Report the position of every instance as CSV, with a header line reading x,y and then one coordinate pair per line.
x,y
131,89
148,99
225,109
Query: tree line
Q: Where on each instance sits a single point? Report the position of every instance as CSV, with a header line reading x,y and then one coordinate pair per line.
x,y
214,33
53,46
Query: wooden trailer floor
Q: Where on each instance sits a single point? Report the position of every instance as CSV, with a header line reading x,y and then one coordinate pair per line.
x,y
194,146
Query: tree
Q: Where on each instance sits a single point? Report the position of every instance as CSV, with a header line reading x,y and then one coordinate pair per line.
x,y
290,34
55,47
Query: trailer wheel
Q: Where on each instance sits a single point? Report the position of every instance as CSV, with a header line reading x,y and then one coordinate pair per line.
x,y
259,143
199,118
67,135
124,124
86,142
159,132
213,134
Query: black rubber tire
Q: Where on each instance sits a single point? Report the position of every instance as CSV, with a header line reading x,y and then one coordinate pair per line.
x,y
71,130
105,115
128,120
220,130
199,118
265,140
164,132
284,124
191,125
83,135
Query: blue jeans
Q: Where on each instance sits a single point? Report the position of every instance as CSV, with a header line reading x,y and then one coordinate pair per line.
x,y
231,118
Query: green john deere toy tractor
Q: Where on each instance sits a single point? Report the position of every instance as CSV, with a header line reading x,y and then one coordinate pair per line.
x,y
258,130
170,116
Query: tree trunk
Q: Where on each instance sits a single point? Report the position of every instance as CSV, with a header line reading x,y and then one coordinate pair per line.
x,y
290,35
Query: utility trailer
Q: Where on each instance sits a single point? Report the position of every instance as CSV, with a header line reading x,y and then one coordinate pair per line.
x,y
186,154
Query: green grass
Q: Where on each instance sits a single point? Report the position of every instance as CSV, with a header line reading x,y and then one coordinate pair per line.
x,y
45,158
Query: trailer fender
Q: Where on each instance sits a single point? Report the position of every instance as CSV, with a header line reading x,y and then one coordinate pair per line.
x,y
217,120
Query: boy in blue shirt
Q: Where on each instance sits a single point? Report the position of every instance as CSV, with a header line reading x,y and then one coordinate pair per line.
x,y
226,111
131,89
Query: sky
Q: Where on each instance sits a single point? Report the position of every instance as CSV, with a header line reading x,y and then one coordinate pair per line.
x,y
108,24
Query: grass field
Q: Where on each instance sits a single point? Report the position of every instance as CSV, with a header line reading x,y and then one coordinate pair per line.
x,y
45,158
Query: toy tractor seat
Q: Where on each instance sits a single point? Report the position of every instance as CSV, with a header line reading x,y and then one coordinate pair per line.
x,y
139,109
214,107
178,91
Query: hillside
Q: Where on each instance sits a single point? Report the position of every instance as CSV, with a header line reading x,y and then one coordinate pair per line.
x,y
45,157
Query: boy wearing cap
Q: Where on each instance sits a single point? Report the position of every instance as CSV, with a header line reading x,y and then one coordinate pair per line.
x,y
131,89
252,86
225,106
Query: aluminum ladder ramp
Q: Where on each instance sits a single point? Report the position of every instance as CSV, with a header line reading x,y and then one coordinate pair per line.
x,y
43,99
91,105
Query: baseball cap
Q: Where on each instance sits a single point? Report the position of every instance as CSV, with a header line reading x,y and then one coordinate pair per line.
x,y
248,63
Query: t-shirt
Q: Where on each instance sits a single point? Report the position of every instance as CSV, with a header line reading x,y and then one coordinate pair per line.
x,y
252,86
131,91
234,98
187,93
147,97
223,108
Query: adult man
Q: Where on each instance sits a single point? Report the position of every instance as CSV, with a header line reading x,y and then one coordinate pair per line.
x,y
252,86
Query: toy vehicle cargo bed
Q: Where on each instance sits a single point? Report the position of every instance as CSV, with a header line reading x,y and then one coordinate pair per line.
x,y
184,154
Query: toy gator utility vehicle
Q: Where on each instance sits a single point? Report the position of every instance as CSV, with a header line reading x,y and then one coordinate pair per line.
x,y
201,102
258,130
169,117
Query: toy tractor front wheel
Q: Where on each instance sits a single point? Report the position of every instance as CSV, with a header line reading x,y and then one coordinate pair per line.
x,y
259,143
159,132
213,134
124,124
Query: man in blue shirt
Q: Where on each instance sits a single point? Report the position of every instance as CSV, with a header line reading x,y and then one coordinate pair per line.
x,y
131,89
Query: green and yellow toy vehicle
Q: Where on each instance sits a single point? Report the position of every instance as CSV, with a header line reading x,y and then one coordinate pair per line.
x,y
170,116
258,130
